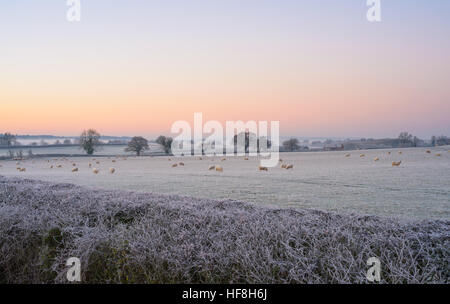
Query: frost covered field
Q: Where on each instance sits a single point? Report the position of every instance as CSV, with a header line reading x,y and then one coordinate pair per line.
x,y
130,237
419,188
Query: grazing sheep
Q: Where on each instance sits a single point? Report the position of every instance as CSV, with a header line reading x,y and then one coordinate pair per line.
x,y
74,164
245,158
223,159
113,160
59,166
400,152
90,165
219,168
51,167
97,162
75,170
283,166
261,168
396,164
428,151
95,171
200,158
212,168
389,153
289,167
174,165
181,164
376,159
347,155
438,154
169,159
362,155
112,170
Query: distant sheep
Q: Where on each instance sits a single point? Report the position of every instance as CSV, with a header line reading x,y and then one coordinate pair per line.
x,y
219,169
283,166
112,170
396,164
75,170
223,159
90,165
438,154
261,168
174,165
362,155
212,168
428,151
74,164
289,167
376,159
113,160
59,166
181,164
347,155
400,152
95,171
245,158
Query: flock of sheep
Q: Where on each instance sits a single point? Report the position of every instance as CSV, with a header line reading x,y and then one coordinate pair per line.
x,y
74,165
394,163
217,168
220,168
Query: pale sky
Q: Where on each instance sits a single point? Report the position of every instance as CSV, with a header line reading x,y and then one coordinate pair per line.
x,y
135,67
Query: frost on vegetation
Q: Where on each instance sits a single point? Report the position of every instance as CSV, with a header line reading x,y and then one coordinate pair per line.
x,y
128,237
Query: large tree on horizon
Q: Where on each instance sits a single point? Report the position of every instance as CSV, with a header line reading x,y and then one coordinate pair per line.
x,y
165,142
89,141
291,144
7,139
137,144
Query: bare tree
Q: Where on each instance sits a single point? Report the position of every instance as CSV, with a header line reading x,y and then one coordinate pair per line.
x,y
7,139
405,138
89,141
291,144
165,142
137,144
